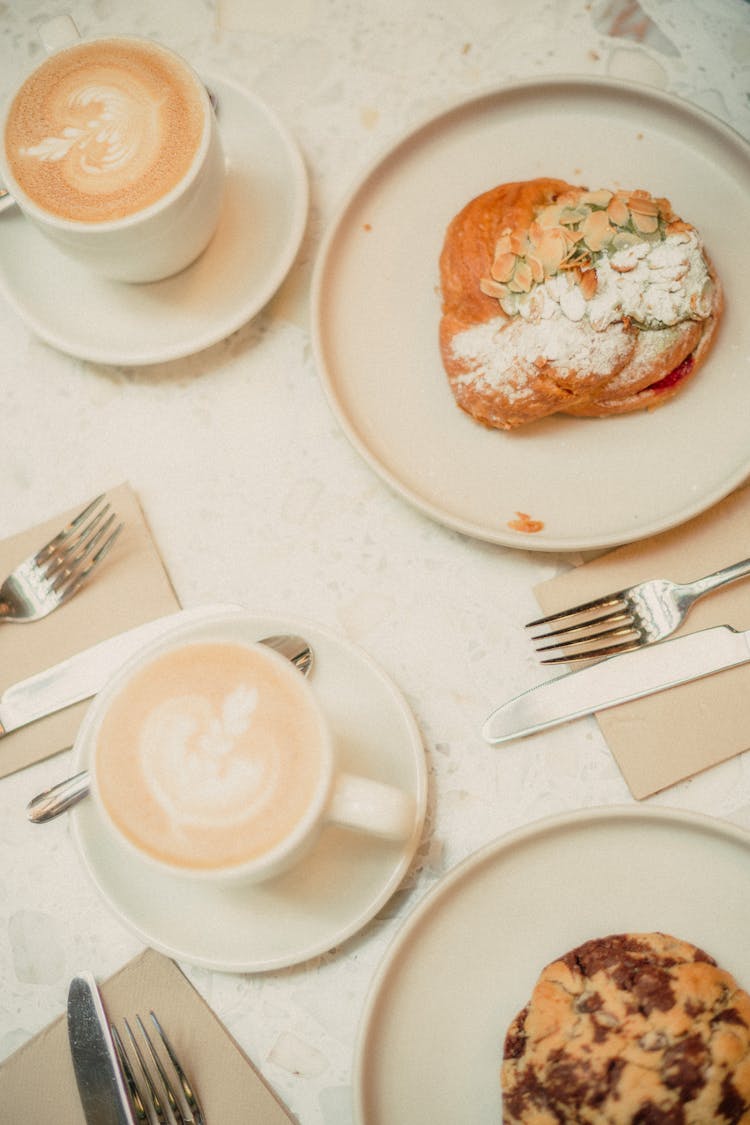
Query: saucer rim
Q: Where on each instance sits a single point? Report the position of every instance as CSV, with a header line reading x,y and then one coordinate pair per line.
x,y
138,356
87,828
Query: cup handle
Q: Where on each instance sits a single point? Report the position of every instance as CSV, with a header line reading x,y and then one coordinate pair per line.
x,y
372,807
58,33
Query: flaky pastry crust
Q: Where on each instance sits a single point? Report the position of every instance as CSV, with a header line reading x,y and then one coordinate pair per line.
x,y
512,356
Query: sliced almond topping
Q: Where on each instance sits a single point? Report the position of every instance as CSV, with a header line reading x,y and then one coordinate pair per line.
x,y
678,226
596,230
518,243
619,212
550,216
569,216
537,269
492,288
640,206
588,284
502,246
597,198
646,224
623,239
503,266
551,250
523,276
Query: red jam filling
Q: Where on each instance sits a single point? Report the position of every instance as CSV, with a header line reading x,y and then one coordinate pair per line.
x,y
675,376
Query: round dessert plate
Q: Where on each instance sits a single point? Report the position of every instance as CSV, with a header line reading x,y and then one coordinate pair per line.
x,y
589,483
260,230
328,896
431,1039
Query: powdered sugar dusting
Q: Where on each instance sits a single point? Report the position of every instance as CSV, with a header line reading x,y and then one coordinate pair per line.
x,y
508,355
653,284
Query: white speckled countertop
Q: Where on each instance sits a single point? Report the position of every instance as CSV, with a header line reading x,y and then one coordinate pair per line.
x,y
254,495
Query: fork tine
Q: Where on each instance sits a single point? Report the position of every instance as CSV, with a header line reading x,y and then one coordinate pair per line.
x,y
70,582
153,1093
156,1098
593,654
174,1105
185,1083
69,554
608,603
620,626
139,1108
69,529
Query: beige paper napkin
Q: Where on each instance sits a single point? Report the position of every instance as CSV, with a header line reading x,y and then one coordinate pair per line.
x,y
130,588
37,1083
674,734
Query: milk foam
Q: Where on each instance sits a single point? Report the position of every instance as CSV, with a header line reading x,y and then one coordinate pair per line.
x,y
104,129
205,768
210,755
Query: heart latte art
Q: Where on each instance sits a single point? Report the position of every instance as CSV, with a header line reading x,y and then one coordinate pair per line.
x,y
104,129
193,765
210,755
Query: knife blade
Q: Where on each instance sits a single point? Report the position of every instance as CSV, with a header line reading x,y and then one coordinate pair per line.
x,y
100,1083
83,674
618,679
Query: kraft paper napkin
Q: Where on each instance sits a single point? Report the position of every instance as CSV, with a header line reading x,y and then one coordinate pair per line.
x,y
674,734
38,1083
130,587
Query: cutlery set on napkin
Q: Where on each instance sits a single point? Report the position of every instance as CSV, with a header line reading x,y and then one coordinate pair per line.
x,y
624,638
114,1071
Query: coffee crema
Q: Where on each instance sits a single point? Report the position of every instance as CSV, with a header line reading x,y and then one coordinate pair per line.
x,y
104,129
210,755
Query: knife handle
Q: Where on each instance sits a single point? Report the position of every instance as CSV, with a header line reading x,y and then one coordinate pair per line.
x,y
52,802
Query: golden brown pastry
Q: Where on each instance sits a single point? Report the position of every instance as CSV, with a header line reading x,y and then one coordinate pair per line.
x,y
630,1029
556,298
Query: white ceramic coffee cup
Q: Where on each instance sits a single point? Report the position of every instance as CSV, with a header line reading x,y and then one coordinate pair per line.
x,y
158,240
336,797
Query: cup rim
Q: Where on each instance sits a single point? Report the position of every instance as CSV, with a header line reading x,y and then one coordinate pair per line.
x,y
255,868
124,222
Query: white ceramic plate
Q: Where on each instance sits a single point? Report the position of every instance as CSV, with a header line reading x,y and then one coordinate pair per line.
x,y
259,233
326,898
593,483
431,1039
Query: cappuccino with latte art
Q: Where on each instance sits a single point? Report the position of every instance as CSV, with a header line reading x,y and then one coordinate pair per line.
x,y
104,129
211,756
112,152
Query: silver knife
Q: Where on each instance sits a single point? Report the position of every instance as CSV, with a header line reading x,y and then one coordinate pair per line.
x,y
100,1083
618,679
82,675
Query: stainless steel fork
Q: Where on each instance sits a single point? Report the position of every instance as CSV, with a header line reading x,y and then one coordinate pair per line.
x,y
628,619
54,573
153,1086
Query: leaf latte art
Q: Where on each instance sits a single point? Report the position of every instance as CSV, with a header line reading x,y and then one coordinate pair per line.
x,y
104,129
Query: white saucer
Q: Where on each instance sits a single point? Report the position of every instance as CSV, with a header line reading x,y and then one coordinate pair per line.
x,y
328,897
259,234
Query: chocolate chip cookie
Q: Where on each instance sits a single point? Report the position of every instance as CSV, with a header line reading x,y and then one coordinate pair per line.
x,y
630,1029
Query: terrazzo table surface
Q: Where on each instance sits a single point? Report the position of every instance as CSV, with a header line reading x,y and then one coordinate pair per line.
x,y
254,495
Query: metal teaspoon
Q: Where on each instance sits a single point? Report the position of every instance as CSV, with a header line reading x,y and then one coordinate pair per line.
x,y
62,796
